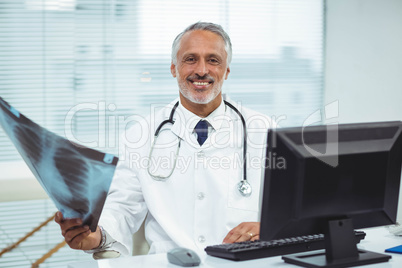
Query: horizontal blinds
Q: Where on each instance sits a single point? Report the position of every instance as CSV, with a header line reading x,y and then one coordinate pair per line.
x,y
21,217
112,58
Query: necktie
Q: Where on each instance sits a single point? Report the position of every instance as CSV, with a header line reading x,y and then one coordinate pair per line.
x,y
202,131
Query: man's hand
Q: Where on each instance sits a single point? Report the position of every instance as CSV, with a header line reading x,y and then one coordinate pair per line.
x,y
76,235
245,231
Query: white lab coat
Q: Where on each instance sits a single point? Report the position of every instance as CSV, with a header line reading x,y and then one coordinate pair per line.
x,y
199,203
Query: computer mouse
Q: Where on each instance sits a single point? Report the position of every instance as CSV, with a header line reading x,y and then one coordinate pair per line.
x,y
183,257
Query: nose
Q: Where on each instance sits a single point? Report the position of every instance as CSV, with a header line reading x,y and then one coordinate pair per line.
x,y
201,68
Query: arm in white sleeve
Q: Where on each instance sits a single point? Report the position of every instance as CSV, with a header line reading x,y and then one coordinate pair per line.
x,y
124,209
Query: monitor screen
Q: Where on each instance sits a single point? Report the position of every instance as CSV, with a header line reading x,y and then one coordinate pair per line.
x,y
331,172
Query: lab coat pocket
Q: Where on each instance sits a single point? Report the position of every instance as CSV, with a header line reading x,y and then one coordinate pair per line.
x,y
236,199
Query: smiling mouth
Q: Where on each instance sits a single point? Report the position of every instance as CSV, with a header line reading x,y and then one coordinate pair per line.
x,y
201,83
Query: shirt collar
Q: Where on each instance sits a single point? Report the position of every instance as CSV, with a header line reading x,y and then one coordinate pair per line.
x,y
185,120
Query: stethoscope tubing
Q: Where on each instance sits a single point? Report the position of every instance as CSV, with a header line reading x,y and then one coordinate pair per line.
x,y
171,121
244,138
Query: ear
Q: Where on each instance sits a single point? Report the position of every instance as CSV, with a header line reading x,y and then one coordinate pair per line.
x,y
227,73
173,69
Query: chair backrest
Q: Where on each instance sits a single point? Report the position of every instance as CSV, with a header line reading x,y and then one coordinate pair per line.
x,y
140,244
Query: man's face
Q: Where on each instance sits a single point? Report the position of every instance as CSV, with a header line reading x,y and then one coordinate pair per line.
x,y
201,66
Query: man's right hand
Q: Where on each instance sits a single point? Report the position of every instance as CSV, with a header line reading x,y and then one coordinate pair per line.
x,y
76,235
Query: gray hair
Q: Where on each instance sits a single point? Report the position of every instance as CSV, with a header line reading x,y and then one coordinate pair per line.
x,y
205,26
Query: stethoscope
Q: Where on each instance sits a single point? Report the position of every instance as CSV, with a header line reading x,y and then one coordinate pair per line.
x,y
243,186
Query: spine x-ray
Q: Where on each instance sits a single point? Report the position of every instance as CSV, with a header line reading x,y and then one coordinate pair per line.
x,y
76,178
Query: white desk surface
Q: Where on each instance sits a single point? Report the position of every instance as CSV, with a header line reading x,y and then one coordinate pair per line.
x,y
377,240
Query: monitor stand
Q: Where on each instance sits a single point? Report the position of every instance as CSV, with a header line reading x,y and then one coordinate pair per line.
x,y
340,250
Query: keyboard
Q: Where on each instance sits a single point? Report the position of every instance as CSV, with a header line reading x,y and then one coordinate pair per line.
x,y
248,250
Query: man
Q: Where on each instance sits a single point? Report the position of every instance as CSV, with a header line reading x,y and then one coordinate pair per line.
x,y
196,200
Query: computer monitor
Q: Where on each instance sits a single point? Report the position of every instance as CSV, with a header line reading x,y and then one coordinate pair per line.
x,y
331,179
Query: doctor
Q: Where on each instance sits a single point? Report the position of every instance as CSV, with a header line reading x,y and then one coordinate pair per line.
x,y
186,185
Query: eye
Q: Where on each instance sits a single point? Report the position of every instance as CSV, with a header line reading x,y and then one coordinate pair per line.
x,y
190,60
214,61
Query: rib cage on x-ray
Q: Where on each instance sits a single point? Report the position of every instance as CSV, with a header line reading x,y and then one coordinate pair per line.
x,y
76,178
30,142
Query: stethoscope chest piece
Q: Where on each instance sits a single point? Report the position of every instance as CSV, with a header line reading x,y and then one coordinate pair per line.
x,y
244,188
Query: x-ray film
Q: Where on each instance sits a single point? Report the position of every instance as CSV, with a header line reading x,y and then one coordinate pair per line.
x,y
76,178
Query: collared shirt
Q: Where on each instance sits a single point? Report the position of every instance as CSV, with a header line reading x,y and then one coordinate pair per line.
x,y
214,119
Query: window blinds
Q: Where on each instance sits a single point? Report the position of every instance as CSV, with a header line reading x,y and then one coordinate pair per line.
x,y
80,67
18,218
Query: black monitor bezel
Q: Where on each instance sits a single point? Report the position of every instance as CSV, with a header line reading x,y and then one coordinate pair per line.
x,y
273,200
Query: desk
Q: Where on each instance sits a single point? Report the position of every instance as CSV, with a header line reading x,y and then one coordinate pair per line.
x,y
377,239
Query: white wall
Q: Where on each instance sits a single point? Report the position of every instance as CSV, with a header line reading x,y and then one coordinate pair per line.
x,y
364,59
18,183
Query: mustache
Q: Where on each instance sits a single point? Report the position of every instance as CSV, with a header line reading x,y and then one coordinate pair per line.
x,y
205,77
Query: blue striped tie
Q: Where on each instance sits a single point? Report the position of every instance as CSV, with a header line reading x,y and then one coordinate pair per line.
x,y
202,131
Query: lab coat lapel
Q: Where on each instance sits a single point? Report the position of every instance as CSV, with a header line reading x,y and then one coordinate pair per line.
x,y
180,130
226,125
